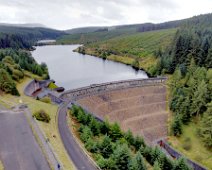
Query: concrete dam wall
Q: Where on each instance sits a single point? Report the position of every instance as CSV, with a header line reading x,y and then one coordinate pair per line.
x,y
138,105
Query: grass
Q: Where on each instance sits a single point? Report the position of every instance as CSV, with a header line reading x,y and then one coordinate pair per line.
x,y
52,86
49,129
1,166
197,152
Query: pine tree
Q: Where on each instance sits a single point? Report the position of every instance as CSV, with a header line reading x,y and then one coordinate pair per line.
x,y
138,142
94,126
199,98
106,147
164,162
129,137
181,164
206,127
115,132
176,126
137,163
156,166
121,156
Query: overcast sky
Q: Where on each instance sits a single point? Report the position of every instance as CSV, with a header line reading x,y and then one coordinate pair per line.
x,y
66,14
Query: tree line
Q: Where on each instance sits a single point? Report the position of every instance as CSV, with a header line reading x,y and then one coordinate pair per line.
x,y
189,59
114,149
13,63
13,41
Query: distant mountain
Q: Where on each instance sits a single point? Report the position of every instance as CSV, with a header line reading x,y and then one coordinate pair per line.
x,y
86,30
136,27
26,25
30,34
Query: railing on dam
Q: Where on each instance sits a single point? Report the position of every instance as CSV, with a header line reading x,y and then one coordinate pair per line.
x,y
175,154
116,85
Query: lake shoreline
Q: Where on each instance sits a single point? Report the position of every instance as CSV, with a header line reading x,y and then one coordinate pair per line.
x,y
90,70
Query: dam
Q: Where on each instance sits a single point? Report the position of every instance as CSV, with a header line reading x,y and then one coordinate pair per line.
x,y
138,105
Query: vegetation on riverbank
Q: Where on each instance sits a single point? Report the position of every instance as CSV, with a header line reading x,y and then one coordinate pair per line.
x,y
115,149
130,48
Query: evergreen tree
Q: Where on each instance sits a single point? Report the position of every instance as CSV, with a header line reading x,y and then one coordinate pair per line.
x,y
206,127
138,142
199,98
137,163
176,126
164,162
129,137
105,127
106,147
181,164
86,133
121,156
94,126
115,132
156,166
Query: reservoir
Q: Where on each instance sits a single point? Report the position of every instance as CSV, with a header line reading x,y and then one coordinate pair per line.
x,y
72,70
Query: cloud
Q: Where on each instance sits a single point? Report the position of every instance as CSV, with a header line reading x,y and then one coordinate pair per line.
x,y
65,14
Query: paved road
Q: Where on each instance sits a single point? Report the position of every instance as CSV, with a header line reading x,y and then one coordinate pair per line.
x,y
75,153
18,147
46,145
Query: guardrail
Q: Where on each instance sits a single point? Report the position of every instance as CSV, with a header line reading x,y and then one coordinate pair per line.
x,y
175,154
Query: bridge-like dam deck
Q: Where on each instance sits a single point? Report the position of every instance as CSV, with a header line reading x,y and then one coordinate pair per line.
x,y
140,109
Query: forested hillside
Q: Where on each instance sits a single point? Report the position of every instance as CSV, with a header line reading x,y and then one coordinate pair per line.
x,y
31,35
13,64
15,60
185,54
13,41
120,28
190,58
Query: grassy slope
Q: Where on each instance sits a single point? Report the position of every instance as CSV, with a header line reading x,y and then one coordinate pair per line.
x,y
49,129
94,36
138,45
197,152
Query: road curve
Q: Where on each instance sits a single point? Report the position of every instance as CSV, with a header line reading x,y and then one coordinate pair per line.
x,y
79,159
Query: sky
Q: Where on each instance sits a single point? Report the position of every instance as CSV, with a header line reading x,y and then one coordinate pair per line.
x,y
67,14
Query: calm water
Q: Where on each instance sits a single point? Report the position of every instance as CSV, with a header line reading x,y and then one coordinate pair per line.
x,y
72,70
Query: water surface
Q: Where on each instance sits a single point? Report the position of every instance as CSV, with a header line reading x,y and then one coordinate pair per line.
x,y
72,70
